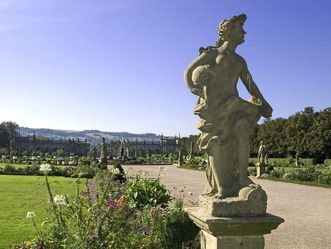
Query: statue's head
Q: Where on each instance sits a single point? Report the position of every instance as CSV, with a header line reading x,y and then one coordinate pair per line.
x,y
232,29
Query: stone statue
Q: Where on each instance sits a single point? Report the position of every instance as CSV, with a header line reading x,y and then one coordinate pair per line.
x,y
180,157
226,120
232,210
261,154
104,152
122,152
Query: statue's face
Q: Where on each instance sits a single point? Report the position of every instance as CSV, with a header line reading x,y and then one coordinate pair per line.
x,y
238,33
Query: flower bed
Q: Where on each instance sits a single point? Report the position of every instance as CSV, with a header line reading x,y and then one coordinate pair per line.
x,y
135,214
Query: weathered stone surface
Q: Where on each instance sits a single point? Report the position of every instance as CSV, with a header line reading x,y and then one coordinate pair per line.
x,y
251,201
231,242
234,226
232,212
226,120
260,169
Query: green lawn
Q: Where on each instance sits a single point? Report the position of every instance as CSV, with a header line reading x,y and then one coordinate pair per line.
x,y
20,194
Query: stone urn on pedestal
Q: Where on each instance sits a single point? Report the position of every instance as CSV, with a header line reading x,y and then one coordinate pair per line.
x,y
232,208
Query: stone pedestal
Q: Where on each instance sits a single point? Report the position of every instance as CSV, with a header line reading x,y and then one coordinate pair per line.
x,y
251,201
260,169
233,232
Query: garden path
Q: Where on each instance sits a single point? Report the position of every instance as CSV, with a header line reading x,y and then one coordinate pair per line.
x,y
306,209
92,190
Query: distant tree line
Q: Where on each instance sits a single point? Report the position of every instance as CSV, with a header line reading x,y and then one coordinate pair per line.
x,y
305,134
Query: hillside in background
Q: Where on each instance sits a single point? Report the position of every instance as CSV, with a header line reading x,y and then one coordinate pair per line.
x,y
94,137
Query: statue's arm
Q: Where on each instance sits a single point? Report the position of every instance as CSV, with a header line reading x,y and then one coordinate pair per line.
x,y
252,88
203,59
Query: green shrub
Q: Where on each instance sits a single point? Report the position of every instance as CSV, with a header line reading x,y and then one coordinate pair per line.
x,y
172,228
31,169
309,174
307,162
325,178
143,191
196,162
84,171
277,173
251,171
252,161
9,170
282,162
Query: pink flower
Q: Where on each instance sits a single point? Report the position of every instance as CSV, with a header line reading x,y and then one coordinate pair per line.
x,y
111,203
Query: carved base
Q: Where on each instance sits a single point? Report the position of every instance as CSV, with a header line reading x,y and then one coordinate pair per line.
x,y
260,169
251,201
209,241
233,232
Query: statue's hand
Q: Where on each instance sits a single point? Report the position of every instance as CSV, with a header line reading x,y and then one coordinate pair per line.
x,y
266,110
197,91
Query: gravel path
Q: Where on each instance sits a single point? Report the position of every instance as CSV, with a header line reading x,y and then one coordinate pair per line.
x,y
91,190
306,209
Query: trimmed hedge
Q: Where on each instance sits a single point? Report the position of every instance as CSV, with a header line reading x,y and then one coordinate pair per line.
x,y
284,162
67,171
327,162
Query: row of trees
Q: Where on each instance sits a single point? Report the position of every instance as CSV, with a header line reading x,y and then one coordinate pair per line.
x,y
8,131
304,134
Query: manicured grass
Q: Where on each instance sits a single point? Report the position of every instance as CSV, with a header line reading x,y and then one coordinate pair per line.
x,y
20,194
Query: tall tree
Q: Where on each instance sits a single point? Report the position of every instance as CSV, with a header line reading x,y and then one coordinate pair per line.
x,y
271,132
297,131
8,131
319,138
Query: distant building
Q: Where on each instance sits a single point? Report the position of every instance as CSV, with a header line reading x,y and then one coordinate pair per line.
x,y
134,148
32,143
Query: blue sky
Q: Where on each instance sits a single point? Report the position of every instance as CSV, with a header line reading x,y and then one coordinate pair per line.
x,y
117,65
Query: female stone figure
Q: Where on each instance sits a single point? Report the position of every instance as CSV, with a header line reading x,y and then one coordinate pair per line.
x,y
225,119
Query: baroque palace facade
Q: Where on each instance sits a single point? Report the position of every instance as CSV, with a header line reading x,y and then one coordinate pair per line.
x,y
32,143
134,148
115,148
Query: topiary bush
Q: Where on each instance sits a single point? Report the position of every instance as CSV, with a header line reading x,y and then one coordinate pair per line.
x,y
9,170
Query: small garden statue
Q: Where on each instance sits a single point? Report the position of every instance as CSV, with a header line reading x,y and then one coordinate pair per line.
x,y
297,159
118,173
261,153
180,157
104,152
